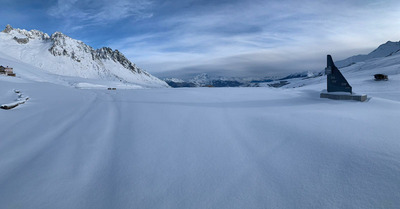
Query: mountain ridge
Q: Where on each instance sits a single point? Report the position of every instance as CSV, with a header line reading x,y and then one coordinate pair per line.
x,y
387,49
71,57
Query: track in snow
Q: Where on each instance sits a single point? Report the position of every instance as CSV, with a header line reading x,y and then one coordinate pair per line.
x,y
198,148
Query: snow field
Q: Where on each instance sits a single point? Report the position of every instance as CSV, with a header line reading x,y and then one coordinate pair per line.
x,y
197,148
21,99
77,145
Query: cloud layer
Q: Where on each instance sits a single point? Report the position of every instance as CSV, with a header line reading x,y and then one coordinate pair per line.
x,y
262,37
78,14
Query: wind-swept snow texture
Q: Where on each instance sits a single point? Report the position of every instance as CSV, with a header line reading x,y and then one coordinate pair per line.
x,y
61,55
199,147
75,144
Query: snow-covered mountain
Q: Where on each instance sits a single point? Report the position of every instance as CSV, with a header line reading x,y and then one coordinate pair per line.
x,y
61,55
202,79
205,80
387,49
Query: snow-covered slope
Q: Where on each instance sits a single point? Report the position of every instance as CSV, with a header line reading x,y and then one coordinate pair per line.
x,y
61,55
388,49
199,148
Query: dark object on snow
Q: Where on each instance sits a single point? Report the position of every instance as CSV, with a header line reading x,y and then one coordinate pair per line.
x,y
8,107
21,40
381,77
14,104
225,83
180,84
111,88
335,80
280,84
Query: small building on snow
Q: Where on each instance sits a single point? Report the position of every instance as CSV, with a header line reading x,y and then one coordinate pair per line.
x,y
6,71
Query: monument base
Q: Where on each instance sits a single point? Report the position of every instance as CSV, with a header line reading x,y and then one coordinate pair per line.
x,y
343,96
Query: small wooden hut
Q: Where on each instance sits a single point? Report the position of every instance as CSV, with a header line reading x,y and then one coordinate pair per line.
x,y
6,71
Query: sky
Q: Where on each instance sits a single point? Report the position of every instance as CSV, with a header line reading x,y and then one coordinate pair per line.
x,y
236,38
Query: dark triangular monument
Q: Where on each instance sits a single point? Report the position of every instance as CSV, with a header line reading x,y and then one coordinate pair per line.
x,y
337,86
335,80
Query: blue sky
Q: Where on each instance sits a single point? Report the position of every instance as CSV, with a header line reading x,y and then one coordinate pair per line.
x,y
229,38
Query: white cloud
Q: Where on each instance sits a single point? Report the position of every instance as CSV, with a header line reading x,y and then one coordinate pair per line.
x,y
77,14
276,34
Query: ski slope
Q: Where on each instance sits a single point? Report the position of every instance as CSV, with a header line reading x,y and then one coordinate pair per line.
x,y
219,148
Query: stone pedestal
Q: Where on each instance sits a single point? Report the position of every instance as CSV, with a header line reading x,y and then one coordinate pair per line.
x,y
343,96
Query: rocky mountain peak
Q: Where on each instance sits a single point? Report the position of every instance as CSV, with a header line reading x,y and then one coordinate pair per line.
x,y
117,56
58,35
201,79
24,34
8,29
63,45
77,58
